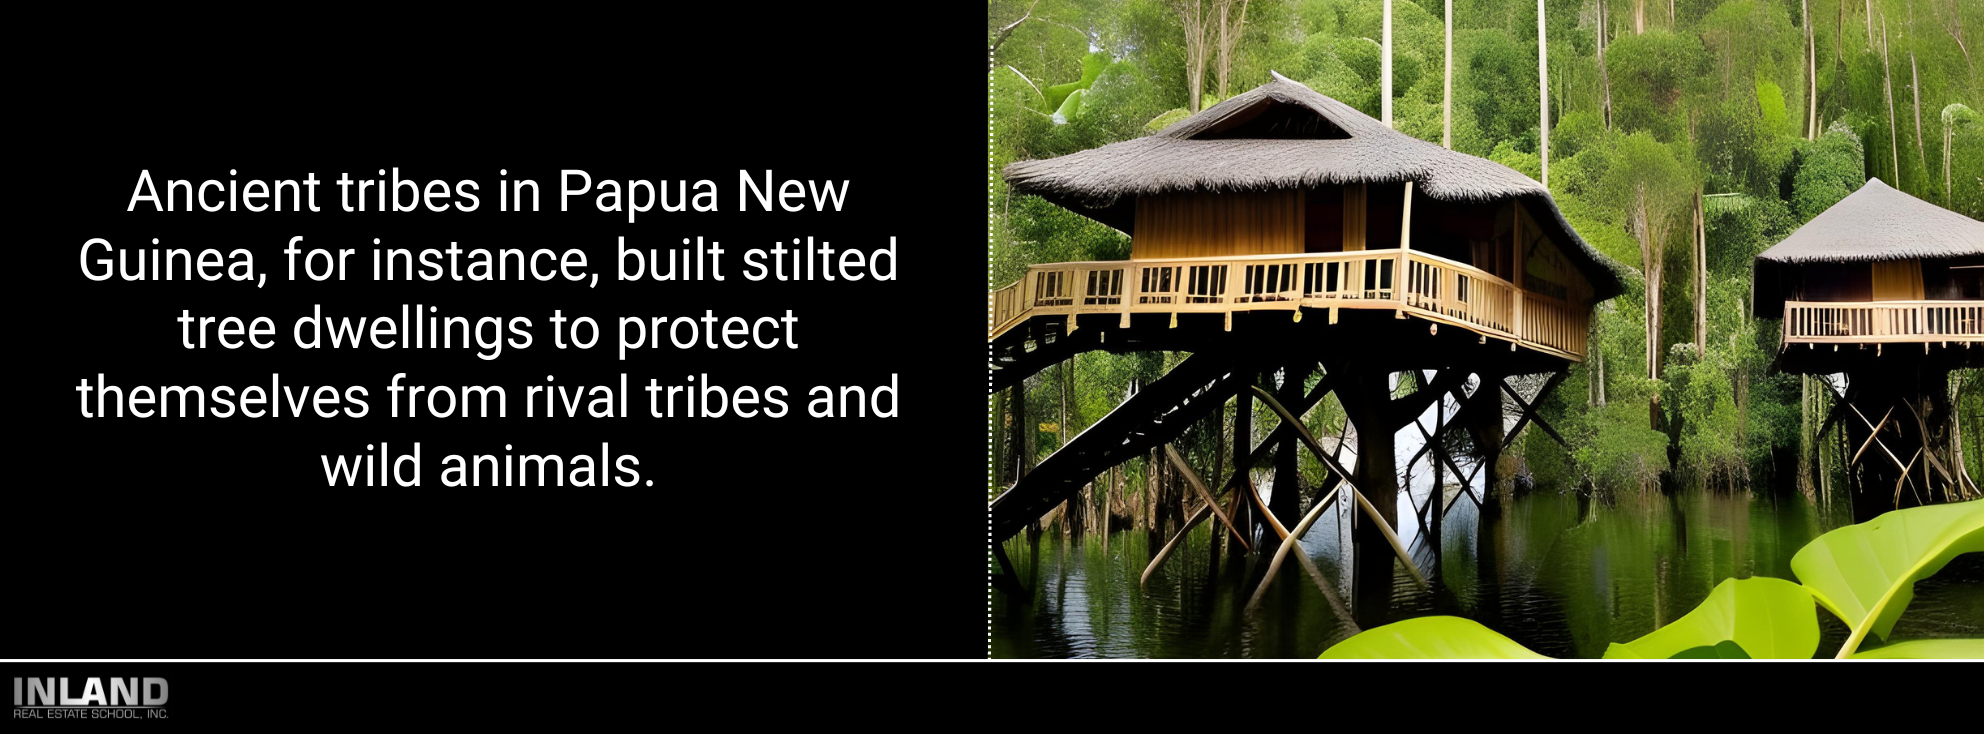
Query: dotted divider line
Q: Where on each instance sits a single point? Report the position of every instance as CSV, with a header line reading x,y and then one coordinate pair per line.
x,y
990,425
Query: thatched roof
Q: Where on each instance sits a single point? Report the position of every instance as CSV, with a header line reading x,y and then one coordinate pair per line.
x,y
1285,135
1880,223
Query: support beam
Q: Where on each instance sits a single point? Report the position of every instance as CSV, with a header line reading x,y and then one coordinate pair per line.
x,y
1294,536
1922,426
1329,461
1315,574
1467,478
1873,435
1198,485
1529,414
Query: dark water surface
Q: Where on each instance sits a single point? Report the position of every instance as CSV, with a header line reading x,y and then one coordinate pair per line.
x,y
1561,575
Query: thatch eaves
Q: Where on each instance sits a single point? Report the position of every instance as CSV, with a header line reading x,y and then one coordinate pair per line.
x,y
1284,135
1880,223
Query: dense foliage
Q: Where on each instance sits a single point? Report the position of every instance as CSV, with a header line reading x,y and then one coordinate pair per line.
x,y
1693,100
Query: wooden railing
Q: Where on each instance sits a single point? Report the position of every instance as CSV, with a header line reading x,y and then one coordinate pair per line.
x,y
1882,321
1434,288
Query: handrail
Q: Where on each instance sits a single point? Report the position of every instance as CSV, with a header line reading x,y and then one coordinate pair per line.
x,y
1432,287
1871,322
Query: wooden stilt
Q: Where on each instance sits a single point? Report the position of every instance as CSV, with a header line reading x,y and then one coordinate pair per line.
x,y
1369,511
1192,478
1301,529
1315,574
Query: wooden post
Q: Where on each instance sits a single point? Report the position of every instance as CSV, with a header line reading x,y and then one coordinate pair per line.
x,y
1515,271
1400,283
1285,504
1486,415
1243,435
1365,395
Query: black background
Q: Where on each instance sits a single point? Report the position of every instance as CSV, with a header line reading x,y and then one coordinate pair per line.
x,y
218,538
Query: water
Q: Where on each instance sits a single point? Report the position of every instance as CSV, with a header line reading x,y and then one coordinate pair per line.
x,y
1561,575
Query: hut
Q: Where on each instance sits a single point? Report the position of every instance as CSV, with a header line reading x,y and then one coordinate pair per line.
x,y
1883,294
1275,190
1274,233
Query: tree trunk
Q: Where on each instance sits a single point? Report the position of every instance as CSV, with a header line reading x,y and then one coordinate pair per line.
x,y
1002,454
1542,89
1915,76
1651,261
1949,130
1023,432
1811,72
1887,88
1604,74
1447,101
1192,16
1639,16
1385,70
1598,361
1229,37
1701,276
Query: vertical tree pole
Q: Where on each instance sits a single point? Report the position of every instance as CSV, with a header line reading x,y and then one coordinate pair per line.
x,y
1542,91
1604,74
1447,101
1887,88
1811,72
1700,236
1385,83
1915,76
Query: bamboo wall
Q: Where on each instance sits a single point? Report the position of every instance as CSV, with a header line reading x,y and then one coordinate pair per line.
x,y
1219,225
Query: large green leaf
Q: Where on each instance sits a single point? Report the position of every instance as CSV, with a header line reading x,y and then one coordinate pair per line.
x,y
1866,573
1926,649
1430,638
1724,650
1768,618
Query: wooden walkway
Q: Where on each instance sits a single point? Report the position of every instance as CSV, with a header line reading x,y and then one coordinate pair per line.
x,y
1434,288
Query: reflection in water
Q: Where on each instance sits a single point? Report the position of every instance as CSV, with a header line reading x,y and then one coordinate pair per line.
x,y
1562,576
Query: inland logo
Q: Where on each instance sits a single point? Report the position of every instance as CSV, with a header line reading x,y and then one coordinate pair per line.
x,y
90,698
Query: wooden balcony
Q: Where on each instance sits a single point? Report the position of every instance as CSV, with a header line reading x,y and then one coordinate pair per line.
x,y
1434,288
1883,322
